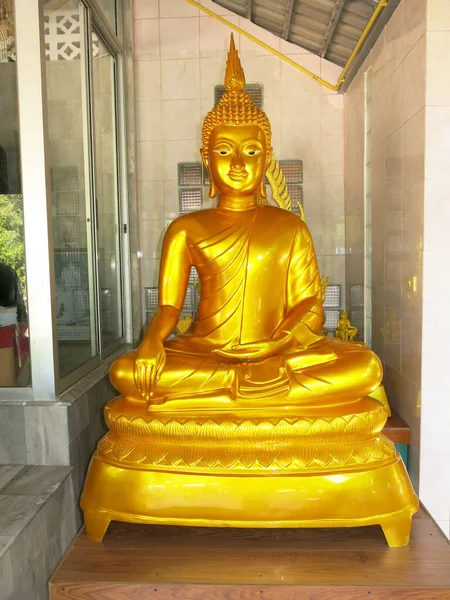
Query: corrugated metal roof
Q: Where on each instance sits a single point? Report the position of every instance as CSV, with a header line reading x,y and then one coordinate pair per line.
x,y
329,28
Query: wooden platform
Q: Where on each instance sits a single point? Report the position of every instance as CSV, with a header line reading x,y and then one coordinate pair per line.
x,y
137,562
397,430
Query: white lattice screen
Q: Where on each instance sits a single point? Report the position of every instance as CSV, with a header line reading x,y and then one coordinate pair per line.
x,y
63,35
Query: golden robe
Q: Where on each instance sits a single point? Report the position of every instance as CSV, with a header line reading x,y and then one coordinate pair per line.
x,y
259,277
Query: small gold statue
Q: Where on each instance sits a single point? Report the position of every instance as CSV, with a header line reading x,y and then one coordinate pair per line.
x,y
184,324
345,330
252,417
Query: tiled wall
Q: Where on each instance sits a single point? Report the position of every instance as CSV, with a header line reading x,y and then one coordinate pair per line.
x,y
180,56
410,120
397,127
354,184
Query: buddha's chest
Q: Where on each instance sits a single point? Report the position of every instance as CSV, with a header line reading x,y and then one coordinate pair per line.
x,y
247,258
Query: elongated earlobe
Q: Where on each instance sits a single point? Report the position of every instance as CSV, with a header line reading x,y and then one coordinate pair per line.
x,y
212,188
262,189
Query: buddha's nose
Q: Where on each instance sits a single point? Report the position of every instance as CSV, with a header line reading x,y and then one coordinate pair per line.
x,y
237,164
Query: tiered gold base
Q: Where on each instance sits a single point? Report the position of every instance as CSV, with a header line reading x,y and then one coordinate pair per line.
x,y
378,497
233,471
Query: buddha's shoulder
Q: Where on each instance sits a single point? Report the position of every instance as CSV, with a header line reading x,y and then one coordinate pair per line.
x,y
279,216
191,218
271,216
189,222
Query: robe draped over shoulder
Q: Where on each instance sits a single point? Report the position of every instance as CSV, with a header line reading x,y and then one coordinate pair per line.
x,y
258,275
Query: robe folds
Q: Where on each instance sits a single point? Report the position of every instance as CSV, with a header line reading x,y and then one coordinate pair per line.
x,y
258,278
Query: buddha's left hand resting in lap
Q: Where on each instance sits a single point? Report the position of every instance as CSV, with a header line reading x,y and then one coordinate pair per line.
x,y
256,340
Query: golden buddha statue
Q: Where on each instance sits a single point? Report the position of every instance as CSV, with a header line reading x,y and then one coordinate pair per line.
x,y
211,421
345,330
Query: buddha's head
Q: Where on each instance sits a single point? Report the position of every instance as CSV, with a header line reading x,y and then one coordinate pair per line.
x,y
236,138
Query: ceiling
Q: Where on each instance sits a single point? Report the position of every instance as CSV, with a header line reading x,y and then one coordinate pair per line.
x,y
328,28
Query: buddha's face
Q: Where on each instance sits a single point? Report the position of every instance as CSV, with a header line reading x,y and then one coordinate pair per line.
x,y
237,158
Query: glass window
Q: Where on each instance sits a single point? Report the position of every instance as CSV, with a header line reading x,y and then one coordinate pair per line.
x,y
106,192
14,346
69,160
109,10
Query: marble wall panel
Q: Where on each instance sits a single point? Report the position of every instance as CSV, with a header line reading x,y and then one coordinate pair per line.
x,y
146,32
174,29
148,121
6,576
146,9
12,435
415,21
46,435
7,473
414,79
17,511
36,481
176,8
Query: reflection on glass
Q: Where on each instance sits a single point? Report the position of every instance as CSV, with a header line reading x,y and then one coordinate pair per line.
x,y
109,10
67,110
105,143
14,346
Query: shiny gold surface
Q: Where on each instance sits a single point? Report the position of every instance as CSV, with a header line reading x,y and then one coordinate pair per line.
x,y
218,443
252,417
345,330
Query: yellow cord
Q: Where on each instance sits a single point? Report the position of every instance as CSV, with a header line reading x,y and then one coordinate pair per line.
x,y
263,45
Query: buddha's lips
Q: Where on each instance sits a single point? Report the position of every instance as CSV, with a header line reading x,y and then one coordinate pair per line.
x,y
238,175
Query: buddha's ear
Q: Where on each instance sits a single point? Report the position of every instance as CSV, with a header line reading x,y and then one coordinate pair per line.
x,y
204,156
262,189
212,187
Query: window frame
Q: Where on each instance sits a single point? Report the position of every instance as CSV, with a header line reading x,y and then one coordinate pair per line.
x,y
46,384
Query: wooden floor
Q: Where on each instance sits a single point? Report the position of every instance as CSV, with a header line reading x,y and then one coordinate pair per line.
x,y
137,562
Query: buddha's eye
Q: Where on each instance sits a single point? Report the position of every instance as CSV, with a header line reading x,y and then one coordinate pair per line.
x,y
222,150
252,151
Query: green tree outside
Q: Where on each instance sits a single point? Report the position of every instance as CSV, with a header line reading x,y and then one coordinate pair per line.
x,y
12,245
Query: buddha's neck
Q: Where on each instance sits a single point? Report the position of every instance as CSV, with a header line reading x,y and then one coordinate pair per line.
x,y
237,203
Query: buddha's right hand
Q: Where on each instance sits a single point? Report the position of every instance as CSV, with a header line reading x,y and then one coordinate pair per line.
x,y
148,366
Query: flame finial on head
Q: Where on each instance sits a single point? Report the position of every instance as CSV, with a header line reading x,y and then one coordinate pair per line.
x,y
235,106
234,74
